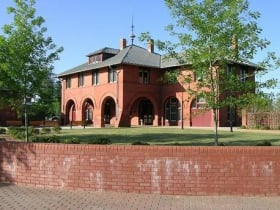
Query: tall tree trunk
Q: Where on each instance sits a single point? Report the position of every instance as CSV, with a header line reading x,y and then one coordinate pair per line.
x,y
216,127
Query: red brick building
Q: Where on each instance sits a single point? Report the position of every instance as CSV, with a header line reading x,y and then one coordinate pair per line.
x,y
123,87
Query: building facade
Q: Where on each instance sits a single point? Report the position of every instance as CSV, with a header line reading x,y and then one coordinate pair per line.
x,y
125,87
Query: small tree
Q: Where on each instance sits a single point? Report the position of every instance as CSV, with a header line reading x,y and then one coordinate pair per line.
x,y
213,36
26,56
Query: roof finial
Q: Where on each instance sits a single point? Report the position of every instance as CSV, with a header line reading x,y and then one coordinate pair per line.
x,y
132,36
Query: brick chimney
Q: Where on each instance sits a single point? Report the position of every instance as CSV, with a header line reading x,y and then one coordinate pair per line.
x,y
234,45
122,43
151,46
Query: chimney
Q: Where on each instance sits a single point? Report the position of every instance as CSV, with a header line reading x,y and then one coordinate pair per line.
x,y
234,46
151,46
122,43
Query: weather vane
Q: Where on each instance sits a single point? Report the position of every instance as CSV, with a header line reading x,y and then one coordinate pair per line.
x,y
132,35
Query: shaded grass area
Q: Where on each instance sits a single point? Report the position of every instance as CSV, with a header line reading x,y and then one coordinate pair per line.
x,y
170,136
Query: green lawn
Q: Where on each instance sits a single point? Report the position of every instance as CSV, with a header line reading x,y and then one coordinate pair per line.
x,y
171,136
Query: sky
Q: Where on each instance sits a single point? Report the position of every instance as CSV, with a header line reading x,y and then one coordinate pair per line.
x,y
84,26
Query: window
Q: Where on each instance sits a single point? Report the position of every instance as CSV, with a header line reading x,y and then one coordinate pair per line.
x,y
172,109
95,59
198,103
144,76
95,77
230,70
243,74
68,82
112,76
81,79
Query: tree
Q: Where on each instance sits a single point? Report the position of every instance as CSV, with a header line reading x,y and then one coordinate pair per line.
x,y
213,36
26,56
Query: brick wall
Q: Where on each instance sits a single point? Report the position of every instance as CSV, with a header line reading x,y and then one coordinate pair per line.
x,y
144,169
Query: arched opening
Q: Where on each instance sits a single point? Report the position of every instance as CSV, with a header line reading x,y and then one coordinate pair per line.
x,y
146,112
109,110
172,111
70,112
88,111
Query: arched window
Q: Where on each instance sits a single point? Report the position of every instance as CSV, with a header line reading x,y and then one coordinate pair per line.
x,y
172,108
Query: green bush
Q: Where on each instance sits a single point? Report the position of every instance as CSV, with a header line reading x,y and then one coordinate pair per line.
x,y
100,141
72,140
2,131
19,132
36,131
264,143
2,139
44,139
140,143
56,129
46,130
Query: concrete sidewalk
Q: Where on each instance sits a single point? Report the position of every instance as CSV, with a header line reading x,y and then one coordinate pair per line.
x,y
22,197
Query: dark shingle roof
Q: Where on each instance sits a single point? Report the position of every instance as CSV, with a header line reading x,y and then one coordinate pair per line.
x,y
105,50
133,55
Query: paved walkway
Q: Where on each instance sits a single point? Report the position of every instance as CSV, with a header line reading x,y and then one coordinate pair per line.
x,y
22,197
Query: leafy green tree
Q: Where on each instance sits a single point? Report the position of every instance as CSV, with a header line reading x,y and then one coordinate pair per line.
x,y
213,36
26,56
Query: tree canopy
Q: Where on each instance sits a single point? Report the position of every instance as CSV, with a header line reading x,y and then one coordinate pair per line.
x,y
213,36
26,56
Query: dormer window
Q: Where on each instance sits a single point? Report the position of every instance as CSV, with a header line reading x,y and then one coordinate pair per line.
x,y
95,59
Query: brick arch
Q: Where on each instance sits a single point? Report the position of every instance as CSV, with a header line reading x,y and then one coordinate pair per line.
x,y
143,115
103,98
87,98
172,110
109,110
136,97
70,111
88,110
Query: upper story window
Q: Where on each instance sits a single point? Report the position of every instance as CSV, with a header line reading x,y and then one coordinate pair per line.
x,y
95,77
81,79
230,70
112,75
144,76
94,58
243,74
68,82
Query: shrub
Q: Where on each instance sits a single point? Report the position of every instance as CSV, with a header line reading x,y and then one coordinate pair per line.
x,y
19,132
2,131
140,143
46,130
2,139
264,143
36,131
56,129
44,139
100,141
72,140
